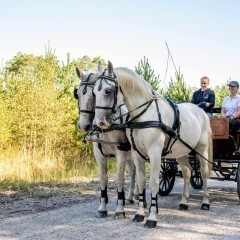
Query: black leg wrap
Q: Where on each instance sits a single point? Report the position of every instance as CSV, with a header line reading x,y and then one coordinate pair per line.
x,y
101,214
183,207
154,199
143,199
205,206
119,215
104,195
138,218
121,196
150,224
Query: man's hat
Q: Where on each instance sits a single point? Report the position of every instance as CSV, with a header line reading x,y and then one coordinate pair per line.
x,y
234,83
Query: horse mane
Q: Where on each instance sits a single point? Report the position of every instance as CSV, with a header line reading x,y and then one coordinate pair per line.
x,y
128,79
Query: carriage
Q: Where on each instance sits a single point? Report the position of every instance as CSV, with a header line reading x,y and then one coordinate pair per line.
x,y
226,163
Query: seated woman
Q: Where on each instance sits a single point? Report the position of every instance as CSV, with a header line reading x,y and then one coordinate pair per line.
x,y
231,106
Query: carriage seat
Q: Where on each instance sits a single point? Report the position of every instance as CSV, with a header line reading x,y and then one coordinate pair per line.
x,y
220,128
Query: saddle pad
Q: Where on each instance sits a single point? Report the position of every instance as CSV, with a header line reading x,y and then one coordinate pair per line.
x,y
220,128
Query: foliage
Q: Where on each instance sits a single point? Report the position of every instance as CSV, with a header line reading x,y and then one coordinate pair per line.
x,y
38,122
145,70
177,89
220,93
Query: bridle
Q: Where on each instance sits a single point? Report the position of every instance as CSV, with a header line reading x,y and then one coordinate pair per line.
x,y
86,84
105,78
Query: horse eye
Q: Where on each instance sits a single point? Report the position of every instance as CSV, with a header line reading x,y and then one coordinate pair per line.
x,y
107,92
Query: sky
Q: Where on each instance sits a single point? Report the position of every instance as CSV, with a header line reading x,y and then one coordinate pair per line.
x,y
203,36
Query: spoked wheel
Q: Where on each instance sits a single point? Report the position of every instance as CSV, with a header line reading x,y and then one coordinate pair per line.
x,y
238,181
167,178
196,179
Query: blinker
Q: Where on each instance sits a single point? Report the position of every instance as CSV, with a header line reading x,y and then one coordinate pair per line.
x,y
75,93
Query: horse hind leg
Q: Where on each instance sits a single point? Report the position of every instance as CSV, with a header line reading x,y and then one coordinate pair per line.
x,y
132,175
204,169
186,171
141,182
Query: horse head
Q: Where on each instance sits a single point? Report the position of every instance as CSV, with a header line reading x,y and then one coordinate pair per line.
x,y
108,97
86,101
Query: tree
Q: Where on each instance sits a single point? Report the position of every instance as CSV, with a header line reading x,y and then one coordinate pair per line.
x,y
220,93
145,70
177,89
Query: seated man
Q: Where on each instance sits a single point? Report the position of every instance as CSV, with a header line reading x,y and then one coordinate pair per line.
x,y
204,97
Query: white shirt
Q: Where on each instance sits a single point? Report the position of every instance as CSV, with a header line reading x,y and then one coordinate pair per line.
x,y
231,105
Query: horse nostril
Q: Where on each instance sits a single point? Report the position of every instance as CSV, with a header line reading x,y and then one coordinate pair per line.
x,y
101,124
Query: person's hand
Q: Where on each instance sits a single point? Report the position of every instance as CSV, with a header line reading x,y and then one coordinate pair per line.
x,y
207,104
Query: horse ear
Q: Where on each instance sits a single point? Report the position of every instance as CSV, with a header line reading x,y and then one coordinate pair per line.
x,y
110,68
80,74
100,69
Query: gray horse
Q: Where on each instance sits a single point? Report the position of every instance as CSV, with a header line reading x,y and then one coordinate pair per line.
x,y
117,145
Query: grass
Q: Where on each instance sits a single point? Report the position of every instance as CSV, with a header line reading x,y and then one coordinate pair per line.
x,y
20,171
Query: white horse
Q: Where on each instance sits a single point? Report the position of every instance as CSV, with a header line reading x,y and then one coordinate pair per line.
x,y
150,130
86,104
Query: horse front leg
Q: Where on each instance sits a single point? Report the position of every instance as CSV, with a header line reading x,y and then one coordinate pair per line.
x,y
141,180
155,167
121,164
186,171
132,175
102,168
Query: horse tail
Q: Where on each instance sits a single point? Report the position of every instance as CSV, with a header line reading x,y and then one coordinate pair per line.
x,y
210,151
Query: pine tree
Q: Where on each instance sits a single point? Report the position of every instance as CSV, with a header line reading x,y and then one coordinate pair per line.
x,y
177,89
145,70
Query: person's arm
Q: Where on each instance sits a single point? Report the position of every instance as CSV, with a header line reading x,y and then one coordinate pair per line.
x,y
237,114
211,102
223,112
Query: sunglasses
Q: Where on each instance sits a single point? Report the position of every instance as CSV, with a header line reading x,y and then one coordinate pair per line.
x,y
232,86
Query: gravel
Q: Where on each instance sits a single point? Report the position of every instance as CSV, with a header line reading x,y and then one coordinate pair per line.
x,y
68,212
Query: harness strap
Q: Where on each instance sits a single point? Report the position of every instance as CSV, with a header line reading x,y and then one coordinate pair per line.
x,y
87,111
135,148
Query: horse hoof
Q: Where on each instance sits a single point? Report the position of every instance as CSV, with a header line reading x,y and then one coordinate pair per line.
x,y
150,224
138,218
205,206
183,207
129,202
119,215
101,214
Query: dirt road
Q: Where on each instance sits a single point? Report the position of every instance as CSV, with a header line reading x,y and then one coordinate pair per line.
x,y
77,221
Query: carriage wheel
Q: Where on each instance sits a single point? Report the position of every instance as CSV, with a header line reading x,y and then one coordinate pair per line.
x,y
166,178
196,179
238,180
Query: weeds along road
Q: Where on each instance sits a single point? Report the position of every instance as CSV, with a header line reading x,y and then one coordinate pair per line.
x,y
78,221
